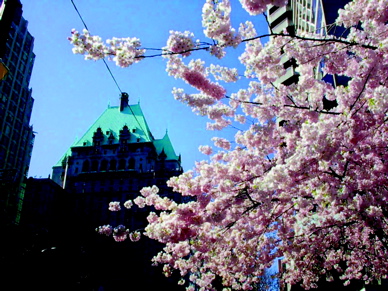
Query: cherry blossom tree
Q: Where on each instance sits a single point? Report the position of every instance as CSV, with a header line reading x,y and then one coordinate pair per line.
x,y
303,181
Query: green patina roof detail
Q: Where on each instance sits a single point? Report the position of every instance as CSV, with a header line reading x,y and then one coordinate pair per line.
x,y
165,145
112,120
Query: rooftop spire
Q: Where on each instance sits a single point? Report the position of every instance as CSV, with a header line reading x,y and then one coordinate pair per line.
x,y
123,101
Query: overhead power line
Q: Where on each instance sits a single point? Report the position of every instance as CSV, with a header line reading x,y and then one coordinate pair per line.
x,y
110,72
86,27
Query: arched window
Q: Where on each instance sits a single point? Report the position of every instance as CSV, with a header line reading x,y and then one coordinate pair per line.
x,y
131,164
112,165
85,166
104,165
94,166
122,164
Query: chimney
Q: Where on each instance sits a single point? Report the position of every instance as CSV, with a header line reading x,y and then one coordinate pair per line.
x,y
123,101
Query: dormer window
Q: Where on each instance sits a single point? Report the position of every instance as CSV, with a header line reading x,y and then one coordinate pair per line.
x,y
162,156
98,137
124,135
111,138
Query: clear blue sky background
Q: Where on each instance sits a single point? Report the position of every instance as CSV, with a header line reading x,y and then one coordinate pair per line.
x,y
71,93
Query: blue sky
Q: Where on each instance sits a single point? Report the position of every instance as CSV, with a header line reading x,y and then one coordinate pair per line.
x,y
71,93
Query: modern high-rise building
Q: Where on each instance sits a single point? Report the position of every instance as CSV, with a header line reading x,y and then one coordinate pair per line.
x,y
314,16
16,134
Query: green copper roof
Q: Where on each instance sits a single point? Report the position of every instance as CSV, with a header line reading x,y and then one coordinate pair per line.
x,y
112,121
165,145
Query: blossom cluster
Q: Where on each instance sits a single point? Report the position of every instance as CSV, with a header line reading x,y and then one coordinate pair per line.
x,y
181,42
124,51
306,177
119,233
114,206
255,7
105,229
217,24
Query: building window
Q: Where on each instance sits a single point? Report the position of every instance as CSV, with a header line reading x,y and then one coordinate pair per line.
x,y
85,166
94,166
113,165
104,165
131,164
122,163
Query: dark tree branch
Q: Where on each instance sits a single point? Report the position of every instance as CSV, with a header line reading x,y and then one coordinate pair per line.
x,y
288,105
312,39
362,90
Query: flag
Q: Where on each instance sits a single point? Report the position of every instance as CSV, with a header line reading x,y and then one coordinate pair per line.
x,y
3,70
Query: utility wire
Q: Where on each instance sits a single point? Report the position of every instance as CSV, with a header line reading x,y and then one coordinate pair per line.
x,y
80,16
110,72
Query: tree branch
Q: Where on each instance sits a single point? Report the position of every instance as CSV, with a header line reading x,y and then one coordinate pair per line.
x,y
312,39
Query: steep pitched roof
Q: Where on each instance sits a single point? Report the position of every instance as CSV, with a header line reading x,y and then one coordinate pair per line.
x,y
112,121
165,145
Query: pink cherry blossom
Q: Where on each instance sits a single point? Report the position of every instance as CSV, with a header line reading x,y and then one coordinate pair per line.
x,y
105,229
134,236
181,42
128,204
255,7
198,80
114,206
120,233
140,201
305,177
205,150
124,51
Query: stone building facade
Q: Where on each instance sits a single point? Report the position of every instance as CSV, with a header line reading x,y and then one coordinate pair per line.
x,y
113,161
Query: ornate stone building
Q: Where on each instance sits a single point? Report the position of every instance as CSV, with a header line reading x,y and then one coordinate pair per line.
x,y
116,157
112,161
